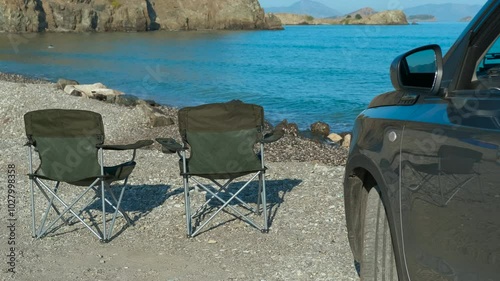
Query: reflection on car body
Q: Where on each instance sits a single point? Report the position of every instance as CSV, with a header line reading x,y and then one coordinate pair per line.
x,y
422,184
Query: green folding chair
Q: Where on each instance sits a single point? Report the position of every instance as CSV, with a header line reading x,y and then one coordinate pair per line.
x,y
70,146
221,140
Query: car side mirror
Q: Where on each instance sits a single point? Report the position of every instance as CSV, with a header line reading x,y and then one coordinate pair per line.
x,y
420,68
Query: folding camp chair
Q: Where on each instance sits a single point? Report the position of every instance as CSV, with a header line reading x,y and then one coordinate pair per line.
x,y
70,146
221,138
453,168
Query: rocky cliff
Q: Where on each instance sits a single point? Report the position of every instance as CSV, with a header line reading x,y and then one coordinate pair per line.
x,y
132,15
393,17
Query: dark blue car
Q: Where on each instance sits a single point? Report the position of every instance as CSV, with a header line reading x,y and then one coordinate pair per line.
x,y
422,182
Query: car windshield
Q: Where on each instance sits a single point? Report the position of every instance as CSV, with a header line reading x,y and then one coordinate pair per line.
x,y
489,65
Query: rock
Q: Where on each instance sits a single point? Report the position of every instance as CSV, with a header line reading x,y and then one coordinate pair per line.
x,y
320,128
70,89
347,140
155,116
126,100
21,16
85,89
76,93
334,137
62,83
160,120
93,91
289,128
273,22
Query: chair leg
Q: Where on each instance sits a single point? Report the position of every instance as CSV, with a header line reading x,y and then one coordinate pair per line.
x,y
259,194
262,180
116,207
103,201
187,205
32,191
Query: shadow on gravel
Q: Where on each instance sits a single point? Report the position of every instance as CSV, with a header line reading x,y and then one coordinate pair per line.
x,y
139,200
276,191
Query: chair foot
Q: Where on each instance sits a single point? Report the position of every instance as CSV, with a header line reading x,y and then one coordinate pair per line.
x,y
264,230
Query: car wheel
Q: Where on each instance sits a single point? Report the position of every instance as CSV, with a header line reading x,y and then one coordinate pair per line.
x,y
378,262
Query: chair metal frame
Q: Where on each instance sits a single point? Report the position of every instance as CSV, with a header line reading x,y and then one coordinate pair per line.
x,y
261,198
445,195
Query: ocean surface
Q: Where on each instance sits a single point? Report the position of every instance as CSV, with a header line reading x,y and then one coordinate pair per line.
x,y
303,74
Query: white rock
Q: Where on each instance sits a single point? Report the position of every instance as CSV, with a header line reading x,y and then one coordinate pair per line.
x,y
347,140
334,137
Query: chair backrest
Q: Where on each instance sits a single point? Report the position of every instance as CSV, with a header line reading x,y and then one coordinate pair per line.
x,y
66,142
222,137
458,160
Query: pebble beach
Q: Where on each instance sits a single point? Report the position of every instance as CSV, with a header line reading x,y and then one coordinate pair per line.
x,y
307,238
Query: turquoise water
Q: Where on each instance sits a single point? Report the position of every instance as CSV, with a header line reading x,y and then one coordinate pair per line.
x,y
303,74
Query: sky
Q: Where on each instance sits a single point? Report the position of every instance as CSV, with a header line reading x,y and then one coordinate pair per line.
x,y
347,6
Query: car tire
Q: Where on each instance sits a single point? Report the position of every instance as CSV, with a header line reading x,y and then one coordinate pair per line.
x,y
378,261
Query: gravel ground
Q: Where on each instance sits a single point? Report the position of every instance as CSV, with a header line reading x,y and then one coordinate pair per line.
x,y
307,239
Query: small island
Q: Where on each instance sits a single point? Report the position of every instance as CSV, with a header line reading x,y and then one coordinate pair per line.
x,y
365,16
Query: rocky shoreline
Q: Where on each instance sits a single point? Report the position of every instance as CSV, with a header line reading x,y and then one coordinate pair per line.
x,y
324,148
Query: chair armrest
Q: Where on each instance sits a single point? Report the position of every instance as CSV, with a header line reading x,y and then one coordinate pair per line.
x,y
273,136
169,145
136,145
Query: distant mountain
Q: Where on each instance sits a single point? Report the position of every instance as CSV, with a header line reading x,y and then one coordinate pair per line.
x,y
306,7
445,12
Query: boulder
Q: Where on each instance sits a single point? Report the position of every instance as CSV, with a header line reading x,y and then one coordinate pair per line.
x,y
347,141
126,100
320,128
160,120
289,128
76,93
93,91
62,83
273,22
335,137
156,117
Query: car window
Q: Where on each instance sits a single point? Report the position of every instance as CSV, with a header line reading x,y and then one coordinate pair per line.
x,y
488,67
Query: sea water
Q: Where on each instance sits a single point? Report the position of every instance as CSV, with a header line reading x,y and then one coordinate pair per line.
x,y
303,74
